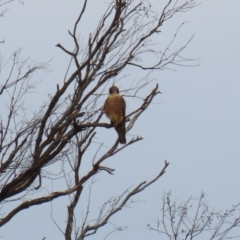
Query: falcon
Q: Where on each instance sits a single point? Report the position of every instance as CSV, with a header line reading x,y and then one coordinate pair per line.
x,y
114,108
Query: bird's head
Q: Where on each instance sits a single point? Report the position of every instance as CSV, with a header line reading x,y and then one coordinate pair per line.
x,y
113,90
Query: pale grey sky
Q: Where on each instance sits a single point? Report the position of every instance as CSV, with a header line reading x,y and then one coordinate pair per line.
x,y
194,124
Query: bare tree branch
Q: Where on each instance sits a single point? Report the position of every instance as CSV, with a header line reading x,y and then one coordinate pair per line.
x,y
177,221
91,229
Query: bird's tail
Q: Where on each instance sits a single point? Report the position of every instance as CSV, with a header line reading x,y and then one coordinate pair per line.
x,y
120,128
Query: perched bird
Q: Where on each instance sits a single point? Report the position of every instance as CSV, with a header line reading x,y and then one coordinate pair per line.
x,y
114,108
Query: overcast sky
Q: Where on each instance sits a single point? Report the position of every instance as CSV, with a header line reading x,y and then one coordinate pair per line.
x,y
194,124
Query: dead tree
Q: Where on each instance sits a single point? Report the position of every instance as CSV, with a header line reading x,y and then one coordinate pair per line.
x,y
62,131
193,219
